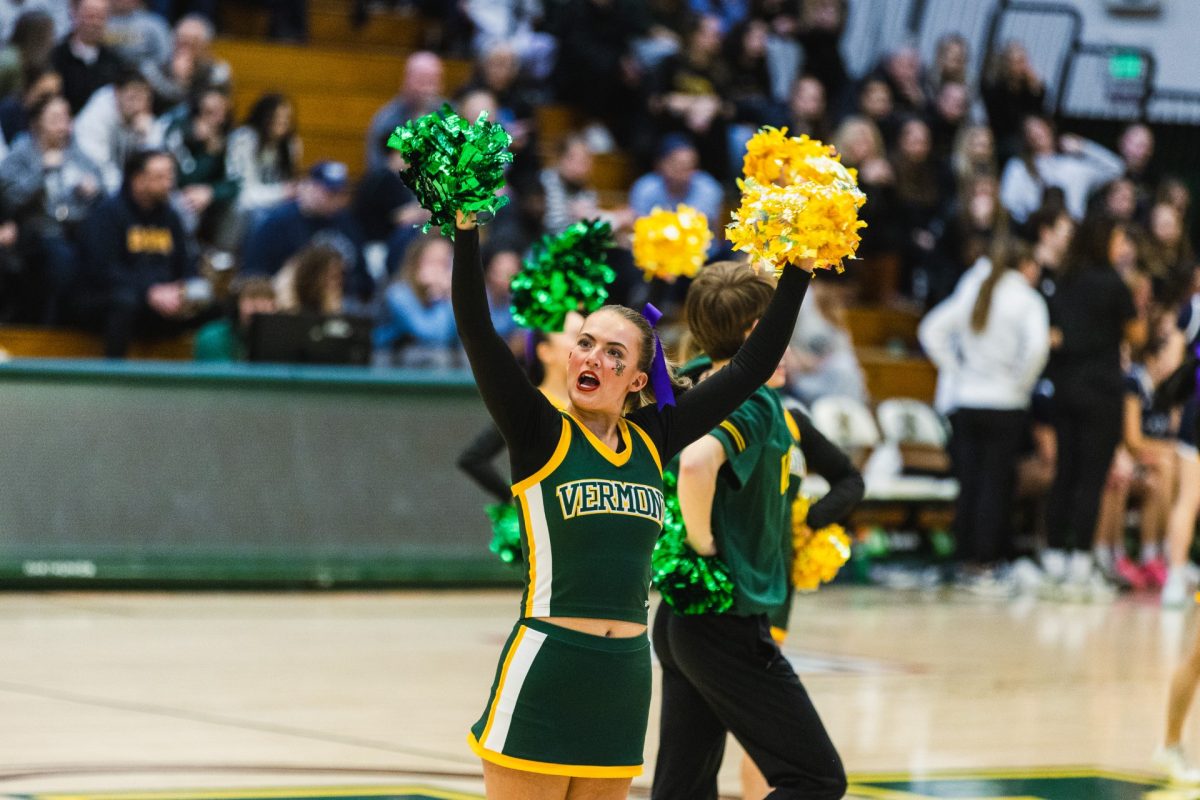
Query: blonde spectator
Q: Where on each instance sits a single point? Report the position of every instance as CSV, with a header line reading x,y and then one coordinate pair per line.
x,y
974,155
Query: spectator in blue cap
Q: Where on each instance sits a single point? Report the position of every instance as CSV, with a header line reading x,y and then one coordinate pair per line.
x,y
677,178
319,214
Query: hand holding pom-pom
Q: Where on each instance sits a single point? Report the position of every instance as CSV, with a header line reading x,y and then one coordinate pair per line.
x,y
669,244
818,554
798,202
788,224
688,582
453,165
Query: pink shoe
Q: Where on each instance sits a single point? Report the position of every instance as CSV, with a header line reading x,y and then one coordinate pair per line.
x,y
1131,573
1155,572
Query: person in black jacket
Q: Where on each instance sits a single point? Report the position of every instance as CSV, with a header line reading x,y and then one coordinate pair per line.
x,y
597,71
1092,314
82,59
137,261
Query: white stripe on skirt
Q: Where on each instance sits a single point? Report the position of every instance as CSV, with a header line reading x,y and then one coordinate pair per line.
x,y
510,689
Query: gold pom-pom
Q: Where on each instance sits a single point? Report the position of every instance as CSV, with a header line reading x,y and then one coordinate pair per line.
x,y
798,202
818,554
785,224
668,244
774,157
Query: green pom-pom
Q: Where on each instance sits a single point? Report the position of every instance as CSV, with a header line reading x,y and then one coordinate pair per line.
x,y
688,582
506,532
453,165
561,274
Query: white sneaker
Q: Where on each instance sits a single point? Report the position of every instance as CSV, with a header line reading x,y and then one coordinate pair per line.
x,y
1084,582
1099,590
1174,762
1080,567
1026,576
1054,564
990,584
1176,591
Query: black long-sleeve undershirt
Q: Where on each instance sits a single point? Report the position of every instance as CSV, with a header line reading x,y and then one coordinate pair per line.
x,y
823,457
531,425
476,461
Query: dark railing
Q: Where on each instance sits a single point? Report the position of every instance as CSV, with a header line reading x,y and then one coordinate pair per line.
x,y
1081,78
1050,33
1174,106
873,28
1112,96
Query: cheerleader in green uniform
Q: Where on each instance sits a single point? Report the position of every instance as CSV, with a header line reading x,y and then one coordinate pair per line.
x,y
723,672
566,716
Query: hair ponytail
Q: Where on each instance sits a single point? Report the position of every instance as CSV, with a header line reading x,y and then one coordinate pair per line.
x,y
1007,253
646,358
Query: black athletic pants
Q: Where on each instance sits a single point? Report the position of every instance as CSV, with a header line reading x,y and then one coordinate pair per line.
x,y
985,447
1088,428
724,673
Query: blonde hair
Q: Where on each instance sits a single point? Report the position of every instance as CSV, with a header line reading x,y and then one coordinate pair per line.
x,y
852,125
645,360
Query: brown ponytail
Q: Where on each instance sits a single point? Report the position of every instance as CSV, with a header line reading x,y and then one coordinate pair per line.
x,y
1008,253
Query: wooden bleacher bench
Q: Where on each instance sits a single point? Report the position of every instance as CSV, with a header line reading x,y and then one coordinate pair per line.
x,y
335,90
875,326
30,342
328,24
889,375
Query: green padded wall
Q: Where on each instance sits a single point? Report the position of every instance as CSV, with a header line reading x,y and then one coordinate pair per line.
x,y
168,473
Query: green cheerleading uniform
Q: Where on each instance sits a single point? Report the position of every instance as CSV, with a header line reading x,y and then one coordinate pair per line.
x,y
567,514
567,511
564,702
781,614
750,512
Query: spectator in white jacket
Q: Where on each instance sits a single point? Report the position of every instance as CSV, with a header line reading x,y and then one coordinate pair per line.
x,y
1075,165
116,122
990,341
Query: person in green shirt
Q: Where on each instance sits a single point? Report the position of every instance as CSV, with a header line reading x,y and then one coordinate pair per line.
x,y
225,339
725,673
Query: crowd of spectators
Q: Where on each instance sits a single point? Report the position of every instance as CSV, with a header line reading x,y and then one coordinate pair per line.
x,y
129,195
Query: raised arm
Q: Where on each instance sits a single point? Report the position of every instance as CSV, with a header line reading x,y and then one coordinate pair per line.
x,y
525,418
704,407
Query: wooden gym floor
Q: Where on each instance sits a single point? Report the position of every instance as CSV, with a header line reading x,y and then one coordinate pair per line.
x,y
369,695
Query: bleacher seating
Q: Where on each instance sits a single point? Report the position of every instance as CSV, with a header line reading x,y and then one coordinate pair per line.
x,y
343,75
28,342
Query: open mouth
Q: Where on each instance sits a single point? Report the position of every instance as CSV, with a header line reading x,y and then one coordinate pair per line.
x,y
587,382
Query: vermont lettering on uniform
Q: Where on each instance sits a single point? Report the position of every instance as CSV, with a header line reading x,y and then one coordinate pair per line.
x,y
593,496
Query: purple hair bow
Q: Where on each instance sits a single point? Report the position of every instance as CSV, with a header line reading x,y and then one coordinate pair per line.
x,y
660,376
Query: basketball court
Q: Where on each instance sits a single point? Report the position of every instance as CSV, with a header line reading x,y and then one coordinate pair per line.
x,y
123,696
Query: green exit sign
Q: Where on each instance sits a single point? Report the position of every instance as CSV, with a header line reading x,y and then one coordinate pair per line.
x,y
1126,66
